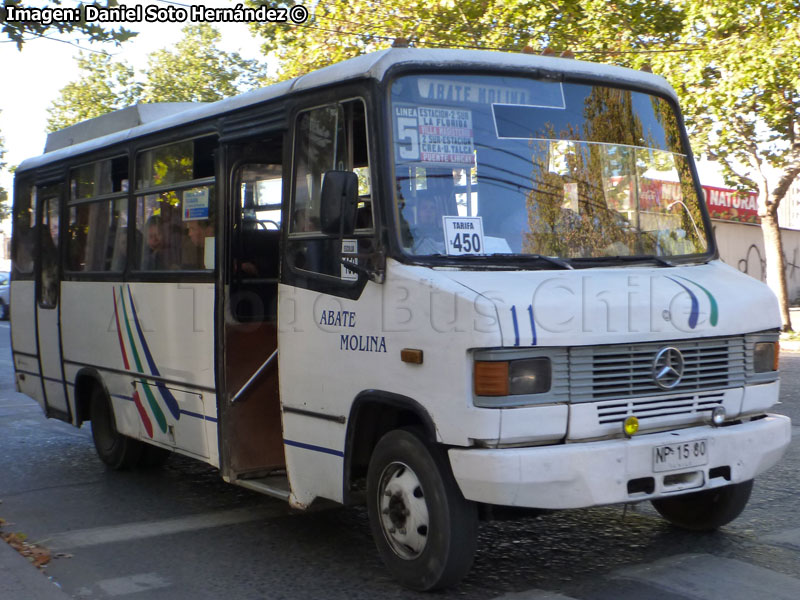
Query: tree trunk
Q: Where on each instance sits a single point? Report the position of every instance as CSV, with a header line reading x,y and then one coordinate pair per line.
x,y
776,267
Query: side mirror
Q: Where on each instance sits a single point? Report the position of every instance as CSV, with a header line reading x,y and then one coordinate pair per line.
x,y
339,202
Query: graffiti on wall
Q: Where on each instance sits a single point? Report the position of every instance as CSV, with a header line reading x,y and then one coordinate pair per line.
x,y
743,247
753,263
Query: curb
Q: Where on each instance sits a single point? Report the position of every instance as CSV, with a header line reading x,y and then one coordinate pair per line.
x,y
20,579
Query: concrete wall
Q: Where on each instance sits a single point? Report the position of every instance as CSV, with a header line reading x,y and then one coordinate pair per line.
x,y
742,246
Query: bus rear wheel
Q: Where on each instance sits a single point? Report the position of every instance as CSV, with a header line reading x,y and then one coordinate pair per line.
x,y
706,510
425,531
116,450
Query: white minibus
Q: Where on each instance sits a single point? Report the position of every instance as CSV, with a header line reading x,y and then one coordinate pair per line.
x,y
435,282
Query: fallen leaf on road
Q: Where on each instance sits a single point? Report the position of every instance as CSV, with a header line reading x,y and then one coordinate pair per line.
x,y
38,555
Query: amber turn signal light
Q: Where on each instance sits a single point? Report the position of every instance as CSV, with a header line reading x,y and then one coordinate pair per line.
x,y
411,355
491,378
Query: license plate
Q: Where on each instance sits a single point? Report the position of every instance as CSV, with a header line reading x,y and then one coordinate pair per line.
x,y
680,456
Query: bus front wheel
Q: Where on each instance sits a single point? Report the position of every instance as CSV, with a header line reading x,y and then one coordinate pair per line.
x,y
425,531
706,510
116,450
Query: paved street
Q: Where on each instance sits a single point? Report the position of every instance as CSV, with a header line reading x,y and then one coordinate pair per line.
x,y
180,532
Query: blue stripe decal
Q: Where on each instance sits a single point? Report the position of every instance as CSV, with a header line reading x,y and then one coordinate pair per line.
x,y
714,316
198,416
314,448
533,322
695,310
183,412
516,325
169,399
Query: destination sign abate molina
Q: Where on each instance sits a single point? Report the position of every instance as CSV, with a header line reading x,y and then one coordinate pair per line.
x,y
458,91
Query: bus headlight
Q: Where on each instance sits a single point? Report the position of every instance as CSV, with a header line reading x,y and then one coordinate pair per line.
x,y
529,376
765,357
513,378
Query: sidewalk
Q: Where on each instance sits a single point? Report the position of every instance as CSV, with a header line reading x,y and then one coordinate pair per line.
x,y
793,345
20,579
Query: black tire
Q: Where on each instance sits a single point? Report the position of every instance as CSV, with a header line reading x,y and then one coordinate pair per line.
x,y
154,456
706,510
409,482
116,450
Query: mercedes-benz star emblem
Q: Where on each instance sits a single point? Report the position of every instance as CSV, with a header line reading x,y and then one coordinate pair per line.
x,y
668,368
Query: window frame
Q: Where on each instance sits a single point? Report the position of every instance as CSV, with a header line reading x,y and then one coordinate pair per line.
x,y
395,248
359,233
137,194
123,194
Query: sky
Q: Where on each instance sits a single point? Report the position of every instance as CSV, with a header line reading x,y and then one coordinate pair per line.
x,y
31,79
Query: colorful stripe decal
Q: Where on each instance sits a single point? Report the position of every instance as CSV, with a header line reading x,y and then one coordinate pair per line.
x,y
694,313
148,425
188,413
314,448
157,412
169,399
714,317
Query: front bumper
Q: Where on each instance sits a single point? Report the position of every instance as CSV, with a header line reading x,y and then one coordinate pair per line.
x,y
596,473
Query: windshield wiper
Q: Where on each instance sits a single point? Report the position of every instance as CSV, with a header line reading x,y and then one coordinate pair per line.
x,y
628,259
518,258
553,260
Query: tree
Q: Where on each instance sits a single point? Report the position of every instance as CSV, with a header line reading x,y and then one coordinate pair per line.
x,y
195,71
21,31
340,29
739,85
105,84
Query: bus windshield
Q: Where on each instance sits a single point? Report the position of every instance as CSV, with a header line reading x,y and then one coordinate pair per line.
x,y
492,166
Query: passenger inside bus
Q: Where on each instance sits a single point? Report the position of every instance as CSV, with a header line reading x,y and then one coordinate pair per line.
x,y
201,253
427,232
432,203
155,251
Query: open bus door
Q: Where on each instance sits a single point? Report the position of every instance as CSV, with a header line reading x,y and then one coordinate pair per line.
x,y
250,416
48,285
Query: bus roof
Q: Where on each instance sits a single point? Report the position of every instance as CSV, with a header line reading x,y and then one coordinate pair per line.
x,y
80,140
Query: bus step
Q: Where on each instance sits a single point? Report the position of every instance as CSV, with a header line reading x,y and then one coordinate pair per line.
x,y
276,486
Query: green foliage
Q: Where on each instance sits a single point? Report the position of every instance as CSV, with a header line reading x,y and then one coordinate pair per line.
x,y
194,71
105,85
21,31
340,29
740,87
733,62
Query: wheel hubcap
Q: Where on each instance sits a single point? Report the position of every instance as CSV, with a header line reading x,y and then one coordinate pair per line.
x,y
403,510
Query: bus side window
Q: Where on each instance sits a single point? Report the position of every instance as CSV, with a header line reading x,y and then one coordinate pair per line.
x,y
328,138
22,246
50,197
96,233
177,224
